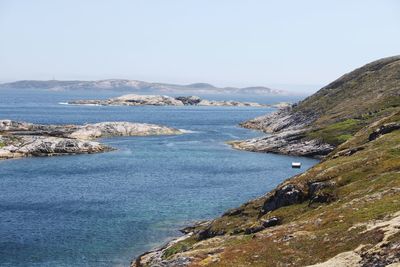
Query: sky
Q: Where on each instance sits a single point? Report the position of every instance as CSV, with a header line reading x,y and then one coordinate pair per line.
x,y
297,45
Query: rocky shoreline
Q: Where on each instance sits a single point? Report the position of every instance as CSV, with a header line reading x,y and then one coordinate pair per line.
x,y
342,212
287,134
22,139
161,100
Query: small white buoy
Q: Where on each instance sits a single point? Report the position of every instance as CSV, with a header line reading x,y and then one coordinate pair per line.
x,y
296,164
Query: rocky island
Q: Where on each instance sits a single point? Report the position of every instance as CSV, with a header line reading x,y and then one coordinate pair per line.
x,y
161,100
344,211
21,139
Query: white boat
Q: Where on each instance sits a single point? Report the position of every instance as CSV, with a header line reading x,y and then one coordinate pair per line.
x,y
296,164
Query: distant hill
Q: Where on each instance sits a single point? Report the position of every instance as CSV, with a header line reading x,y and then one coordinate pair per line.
x,y
137,86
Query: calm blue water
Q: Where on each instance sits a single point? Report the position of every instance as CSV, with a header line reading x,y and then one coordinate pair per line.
x,y
104,209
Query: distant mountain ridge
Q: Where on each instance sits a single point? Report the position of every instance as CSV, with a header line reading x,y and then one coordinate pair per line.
x,y
137,86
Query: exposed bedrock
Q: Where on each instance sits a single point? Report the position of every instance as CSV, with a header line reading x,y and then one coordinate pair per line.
x,y
287,134
290,142
162,100
21,139
31,145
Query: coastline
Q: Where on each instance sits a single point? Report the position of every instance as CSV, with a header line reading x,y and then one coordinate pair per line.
x,y
353,190
22,139
155,256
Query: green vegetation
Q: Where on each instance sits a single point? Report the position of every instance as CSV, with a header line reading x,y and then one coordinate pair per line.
x,y
363,175
179,247
367,188
337,133
353,101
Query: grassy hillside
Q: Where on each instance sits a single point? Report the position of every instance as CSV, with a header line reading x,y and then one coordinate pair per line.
x,y
345,211
354,100
362,190
344,106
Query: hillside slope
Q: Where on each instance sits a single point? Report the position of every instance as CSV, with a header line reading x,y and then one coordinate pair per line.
x,y
316,125
345,211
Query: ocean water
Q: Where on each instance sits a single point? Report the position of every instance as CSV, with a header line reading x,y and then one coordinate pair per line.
x,y
105,209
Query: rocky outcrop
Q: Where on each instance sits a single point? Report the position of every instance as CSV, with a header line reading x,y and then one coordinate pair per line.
x,y
290,142
321,192
189,100
21,139
283,119
155,257
111,129
25,146
288,194
288,132
140,100
285,196
384,129
274,221
160,100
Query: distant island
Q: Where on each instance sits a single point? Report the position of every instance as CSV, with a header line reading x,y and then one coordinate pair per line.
x,y
138,86
163,100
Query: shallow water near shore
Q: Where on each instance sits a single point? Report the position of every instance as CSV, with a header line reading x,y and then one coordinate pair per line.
x,y
104,209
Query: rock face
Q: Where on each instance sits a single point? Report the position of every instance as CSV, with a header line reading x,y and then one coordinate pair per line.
x,y
275,122
321,122
289,142
24,146
160,100
384,129
285,196
288,132
21,139
189,100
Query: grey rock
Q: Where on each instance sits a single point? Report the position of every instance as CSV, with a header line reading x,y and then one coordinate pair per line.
x,y
155,257
284,196
21,139
160,100
263,225
286,135
208,233
25,146
283,119
384,129
189,100
321,192
271,222
290,142
111,129
254,229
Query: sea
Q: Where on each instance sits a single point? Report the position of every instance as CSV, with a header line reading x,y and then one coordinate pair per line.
x,y
105,209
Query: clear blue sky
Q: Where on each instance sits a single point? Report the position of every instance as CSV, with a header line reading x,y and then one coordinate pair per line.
x,y
224,42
